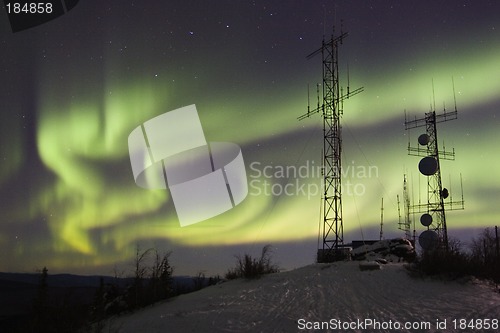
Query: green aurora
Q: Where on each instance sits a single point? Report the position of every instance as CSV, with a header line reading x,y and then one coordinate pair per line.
x,y
92,212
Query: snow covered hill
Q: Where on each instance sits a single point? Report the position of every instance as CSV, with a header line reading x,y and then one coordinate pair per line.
x,y
333,297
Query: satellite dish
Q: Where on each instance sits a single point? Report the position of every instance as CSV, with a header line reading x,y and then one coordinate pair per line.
x,y
445,193
424,139
426,220
428,240
428,166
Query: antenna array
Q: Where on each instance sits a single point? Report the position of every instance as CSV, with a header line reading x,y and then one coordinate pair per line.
x,y
433,212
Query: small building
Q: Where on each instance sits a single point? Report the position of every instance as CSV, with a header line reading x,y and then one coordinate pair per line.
x,y
357,243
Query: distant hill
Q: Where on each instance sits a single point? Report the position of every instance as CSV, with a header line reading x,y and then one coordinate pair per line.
x,y
60,280
18,291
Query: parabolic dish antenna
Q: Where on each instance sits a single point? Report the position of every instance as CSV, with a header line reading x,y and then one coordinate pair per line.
x,y
428,240
426,219
424,139
428,166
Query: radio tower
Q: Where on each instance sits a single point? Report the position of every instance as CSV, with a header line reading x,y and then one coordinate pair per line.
x,y
433,217
332,245
405,225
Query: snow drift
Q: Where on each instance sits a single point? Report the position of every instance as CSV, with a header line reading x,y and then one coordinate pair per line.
x,y
324,296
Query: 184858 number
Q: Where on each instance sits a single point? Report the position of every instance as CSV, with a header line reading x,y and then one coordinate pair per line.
x,y
29,8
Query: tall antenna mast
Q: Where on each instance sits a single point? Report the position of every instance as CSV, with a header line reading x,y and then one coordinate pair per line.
x,y
332,247
433,212
399,212
405,225
382,219
454,95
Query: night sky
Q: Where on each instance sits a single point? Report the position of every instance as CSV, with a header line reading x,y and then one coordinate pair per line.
x,y
74,88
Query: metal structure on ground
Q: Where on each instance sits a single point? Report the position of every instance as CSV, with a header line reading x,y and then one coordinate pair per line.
x,y
331,109
433,212
405,224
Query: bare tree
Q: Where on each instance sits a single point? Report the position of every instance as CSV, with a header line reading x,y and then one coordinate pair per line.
x,y
161,275
484,247
140,271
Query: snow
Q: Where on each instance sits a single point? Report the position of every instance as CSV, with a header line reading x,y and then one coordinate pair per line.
x,y
287,301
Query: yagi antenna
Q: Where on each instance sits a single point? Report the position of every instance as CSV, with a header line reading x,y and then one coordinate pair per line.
x,y
433,96
341,27
399,210
451,191
324,21
317,94
347,78
308,100
454,96
462,188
